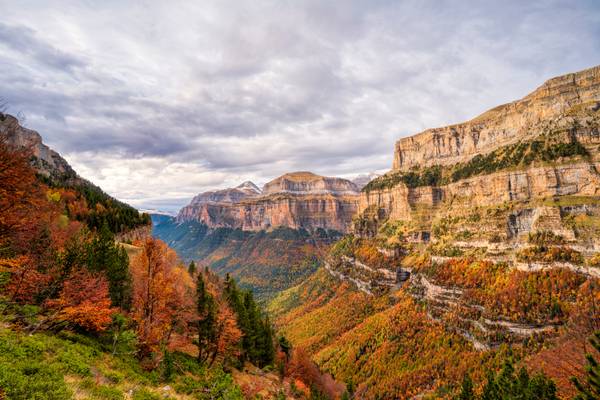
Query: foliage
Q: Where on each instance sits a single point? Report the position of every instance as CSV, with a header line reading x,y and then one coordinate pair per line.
x,y
542,238
543,253
428,176
507,385
521,154
97,208
590,388
83,302
161,296
257,340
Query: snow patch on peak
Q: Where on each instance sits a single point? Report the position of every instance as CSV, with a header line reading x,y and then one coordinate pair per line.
x,y
250,187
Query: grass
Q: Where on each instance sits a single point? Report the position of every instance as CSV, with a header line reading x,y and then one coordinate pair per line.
x,y
69,365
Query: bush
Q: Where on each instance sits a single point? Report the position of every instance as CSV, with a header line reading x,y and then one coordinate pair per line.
x,y
594,261
550,254
143,394
542,238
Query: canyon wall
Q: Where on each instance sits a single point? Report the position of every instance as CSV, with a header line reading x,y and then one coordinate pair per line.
x,y
299,200
540,151
499,126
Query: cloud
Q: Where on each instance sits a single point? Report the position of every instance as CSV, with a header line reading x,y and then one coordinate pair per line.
x,y
156,102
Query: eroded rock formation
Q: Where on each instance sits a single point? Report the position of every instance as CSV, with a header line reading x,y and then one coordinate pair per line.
x,y
295,200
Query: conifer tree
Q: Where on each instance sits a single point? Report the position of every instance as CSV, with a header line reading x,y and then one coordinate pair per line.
x,y
590,389
207,315
105,256
466,391
192,268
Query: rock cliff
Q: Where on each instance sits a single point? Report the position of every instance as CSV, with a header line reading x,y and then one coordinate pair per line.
x,y
536,156
295,200
47,161
500,126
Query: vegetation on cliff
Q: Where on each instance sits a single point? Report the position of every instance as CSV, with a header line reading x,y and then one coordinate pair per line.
x,y
547,148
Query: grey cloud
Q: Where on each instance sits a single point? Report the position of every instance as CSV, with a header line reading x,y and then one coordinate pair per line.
x,y
27,42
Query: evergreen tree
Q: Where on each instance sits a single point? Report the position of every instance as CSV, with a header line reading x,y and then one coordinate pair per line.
x,y
285,346
105,256
590,389
466,391
192,268
507,386
207,316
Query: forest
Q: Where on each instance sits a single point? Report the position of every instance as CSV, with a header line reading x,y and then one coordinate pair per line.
x,y
83,314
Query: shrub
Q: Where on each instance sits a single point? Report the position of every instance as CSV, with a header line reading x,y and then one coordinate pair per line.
x,y
542,238
143,394
550,254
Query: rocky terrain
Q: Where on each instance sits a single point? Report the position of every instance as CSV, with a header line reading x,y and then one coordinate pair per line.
x,y
46,161
298,200
525,167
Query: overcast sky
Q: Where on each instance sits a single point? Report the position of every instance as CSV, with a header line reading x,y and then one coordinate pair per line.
x,y
157,101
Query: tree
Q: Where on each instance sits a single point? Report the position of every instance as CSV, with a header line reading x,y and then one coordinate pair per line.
x,y
207,316
285,346
192,268
466,390
590,389
104,255
83,302
506,386
152,291
20,194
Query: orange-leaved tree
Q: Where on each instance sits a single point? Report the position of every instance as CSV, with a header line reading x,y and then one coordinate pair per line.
x,y
83,301
156,296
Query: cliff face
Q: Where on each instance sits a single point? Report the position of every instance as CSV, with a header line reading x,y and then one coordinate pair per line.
x,y
296,200
47,161
499,126
535,156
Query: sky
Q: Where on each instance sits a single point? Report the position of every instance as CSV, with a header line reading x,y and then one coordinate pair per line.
x,y
156,101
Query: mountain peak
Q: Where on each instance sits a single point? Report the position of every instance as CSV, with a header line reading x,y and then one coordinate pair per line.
x,y
248,187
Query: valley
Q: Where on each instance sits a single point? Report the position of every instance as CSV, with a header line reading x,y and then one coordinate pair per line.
x,y
480,245
478,252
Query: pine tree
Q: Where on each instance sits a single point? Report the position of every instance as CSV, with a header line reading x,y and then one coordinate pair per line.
x,y
207,315
285,346
105,256
466,391
192,268
590,389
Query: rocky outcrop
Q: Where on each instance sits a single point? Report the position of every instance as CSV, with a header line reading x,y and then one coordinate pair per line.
x,y
512,160
46,161
295,200
499,126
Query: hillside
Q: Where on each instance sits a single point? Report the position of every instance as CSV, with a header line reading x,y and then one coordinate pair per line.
x,y
83,315
92,204
264,261
479,248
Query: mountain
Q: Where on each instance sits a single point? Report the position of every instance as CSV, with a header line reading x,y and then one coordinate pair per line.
x,y
298,200
362,180
55,171
481,247
539,154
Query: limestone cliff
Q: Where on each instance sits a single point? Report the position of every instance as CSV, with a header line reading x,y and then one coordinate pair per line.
x,y
295,200
499,126
538,156
47,161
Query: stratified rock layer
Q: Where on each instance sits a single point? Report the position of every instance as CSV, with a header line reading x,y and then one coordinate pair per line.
x,y
295,200
499,126
564,111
